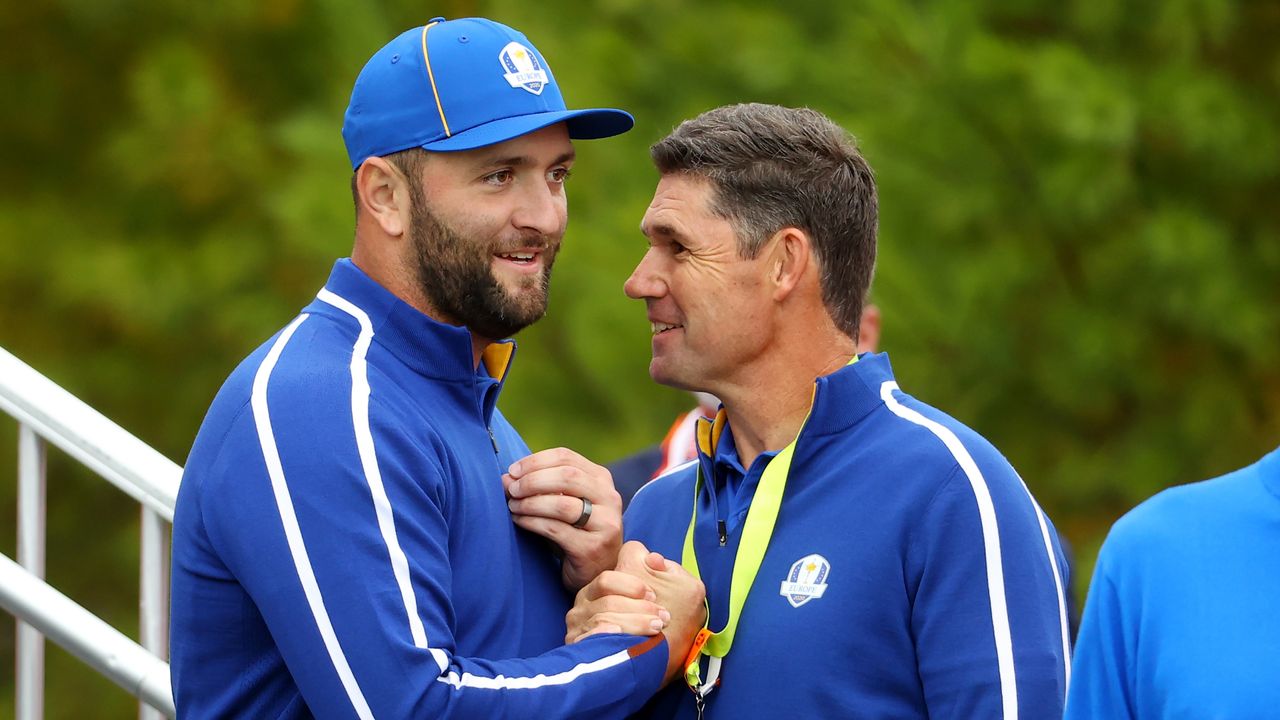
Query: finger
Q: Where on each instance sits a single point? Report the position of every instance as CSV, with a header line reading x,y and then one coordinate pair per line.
x,y
632,557
553,517
566,508
621,605
656,562
631,624
581,615
558,480
583,548
557,531
605,629
547,459
582,543
612,582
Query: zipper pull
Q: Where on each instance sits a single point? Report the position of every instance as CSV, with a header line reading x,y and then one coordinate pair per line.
x,y
493,440
724,532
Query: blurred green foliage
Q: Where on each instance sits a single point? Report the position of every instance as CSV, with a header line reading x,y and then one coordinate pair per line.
x,y
1080,239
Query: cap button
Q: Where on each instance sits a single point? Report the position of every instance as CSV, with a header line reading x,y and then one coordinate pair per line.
x,y
435,20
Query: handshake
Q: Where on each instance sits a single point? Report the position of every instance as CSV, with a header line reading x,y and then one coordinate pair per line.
x,y
646,594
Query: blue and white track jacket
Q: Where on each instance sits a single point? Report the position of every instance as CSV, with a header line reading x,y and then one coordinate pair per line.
x,y
342,545
910,574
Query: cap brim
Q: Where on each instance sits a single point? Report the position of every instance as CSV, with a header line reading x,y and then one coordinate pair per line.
x,y
588,124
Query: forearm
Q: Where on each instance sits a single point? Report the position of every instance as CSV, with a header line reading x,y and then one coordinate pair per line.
x,y
602,677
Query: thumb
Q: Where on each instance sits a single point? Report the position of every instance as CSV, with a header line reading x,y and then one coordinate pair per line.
x,y
656,562
632,555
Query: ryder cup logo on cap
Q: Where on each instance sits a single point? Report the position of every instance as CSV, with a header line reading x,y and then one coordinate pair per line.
x,y
523,69
459,85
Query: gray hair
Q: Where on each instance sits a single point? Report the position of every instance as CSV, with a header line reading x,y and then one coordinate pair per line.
x,y
772,167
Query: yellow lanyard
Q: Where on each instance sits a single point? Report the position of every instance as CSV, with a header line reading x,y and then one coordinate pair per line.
x,y
757,530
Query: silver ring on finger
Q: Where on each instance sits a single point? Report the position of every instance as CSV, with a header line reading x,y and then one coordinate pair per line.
x,y
585,517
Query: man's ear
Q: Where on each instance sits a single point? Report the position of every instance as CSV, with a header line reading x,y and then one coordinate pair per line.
x,y
384,195
791,258
869,329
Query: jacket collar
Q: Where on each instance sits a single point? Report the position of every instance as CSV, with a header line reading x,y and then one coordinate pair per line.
x,y
431,348
840,401
843,398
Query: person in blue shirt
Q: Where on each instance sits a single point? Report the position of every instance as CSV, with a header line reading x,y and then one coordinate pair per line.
x,y
342,543
1181,618
865,555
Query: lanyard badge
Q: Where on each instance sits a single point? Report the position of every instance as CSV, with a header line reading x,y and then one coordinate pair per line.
x,y
756,532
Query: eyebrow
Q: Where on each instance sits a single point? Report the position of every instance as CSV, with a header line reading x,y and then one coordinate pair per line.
x,y
659,229
519,161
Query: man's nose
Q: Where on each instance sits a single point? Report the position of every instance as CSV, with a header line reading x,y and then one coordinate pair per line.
x,y
645,280
541,209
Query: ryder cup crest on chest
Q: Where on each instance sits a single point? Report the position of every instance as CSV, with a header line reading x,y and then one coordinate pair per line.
x,y
806,580
523,70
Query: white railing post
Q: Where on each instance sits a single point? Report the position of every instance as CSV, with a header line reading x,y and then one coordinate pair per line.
x,y
29,680
153,595
48,414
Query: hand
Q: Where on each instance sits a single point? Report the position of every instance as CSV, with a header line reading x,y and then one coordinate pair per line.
x,y
615,602
547,490
630,606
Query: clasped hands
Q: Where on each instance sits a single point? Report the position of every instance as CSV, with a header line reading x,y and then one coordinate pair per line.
x,y
645,594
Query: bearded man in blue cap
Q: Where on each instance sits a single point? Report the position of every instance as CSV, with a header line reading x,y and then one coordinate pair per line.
x,y
343,546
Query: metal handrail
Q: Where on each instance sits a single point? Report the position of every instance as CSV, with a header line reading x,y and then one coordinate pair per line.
x,y
86,636
46,412
88,436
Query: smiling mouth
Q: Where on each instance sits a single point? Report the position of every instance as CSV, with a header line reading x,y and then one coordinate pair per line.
x,y
519,258
659,328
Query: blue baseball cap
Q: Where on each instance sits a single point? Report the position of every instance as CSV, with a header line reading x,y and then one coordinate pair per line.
x,y
458,85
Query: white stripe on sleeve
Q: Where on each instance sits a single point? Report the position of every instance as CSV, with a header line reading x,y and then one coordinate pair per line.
x,y
502,682
301,561
990,543
373,476
1057,581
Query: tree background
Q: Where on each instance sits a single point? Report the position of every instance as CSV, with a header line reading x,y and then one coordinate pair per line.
x,y
1079,247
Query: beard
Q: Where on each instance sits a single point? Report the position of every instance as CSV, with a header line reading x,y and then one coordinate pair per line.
x,y
456,275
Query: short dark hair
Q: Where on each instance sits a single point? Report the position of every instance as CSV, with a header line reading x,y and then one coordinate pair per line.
x,y
409,162
773,167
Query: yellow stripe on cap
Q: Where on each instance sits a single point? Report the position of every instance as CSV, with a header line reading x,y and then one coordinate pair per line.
x,y
431,76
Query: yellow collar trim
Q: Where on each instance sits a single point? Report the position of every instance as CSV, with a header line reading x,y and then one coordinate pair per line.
x,y
497,358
